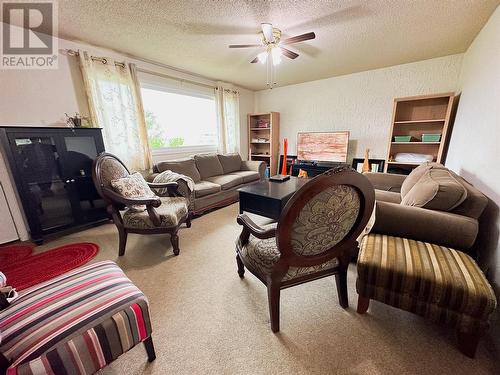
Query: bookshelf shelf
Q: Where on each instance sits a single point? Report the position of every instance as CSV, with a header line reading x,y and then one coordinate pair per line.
x,y
419,121
402,163
416,143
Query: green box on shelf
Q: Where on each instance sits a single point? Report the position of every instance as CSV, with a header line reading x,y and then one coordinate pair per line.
x,y
431,137
402,138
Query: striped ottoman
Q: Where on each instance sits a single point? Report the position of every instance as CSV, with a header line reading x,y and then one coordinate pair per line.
x,y
76,323
436,282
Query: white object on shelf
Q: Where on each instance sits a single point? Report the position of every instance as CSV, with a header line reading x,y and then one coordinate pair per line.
x,y
408,157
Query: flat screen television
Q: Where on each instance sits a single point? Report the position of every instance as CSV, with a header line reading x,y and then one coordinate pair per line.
x,y
323,146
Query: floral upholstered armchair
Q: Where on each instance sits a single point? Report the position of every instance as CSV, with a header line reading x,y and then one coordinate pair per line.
x,y
133,205
315,236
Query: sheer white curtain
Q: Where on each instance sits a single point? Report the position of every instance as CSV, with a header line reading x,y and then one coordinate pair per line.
x,y
115,105
228,119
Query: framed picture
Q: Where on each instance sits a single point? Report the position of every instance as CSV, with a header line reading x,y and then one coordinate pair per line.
x,y
376,165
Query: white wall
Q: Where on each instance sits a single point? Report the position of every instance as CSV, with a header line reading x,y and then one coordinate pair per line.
x,y
474,149
361,102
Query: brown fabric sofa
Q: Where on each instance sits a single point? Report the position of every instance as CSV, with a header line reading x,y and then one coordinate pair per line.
x,y
216,178
432,204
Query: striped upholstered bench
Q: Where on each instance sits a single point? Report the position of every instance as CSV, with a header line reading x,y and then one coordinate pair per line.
x,y
76,323
436,282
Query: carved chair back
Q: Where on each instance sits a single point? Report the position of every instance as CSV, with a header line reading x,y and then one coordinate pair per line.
x,y
106,168
324,218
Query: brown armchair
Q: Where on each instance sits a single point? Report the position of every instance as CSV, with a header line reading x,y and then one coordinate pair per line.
x,y
315,236
162,214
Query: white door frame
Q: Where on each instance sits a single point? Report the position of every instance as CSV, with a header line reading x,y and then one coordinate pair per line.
x,y
13,200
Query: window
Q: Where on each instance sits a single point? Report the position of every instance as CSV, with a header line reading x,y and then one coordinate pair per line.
x,y
177,119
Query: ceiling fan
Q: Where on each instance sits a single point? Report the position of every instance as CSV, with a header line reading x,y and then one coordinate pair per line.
x,y
271,40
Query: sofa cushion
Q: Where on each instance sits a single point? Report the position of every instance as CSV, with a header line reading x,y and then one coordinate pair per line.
x,y
230,162
208,165
187,167
387,196
475,203
226,181
248,176
437,189
54,320
416,174
204,188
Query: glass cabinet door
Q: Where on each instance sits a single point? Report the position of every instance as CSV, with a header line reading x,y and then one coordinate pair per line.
x,y
80,151
38,162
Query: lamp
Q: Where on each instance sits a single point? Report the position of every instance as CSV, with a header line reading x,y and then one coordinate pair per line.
x,y
262,57
271,57
276,55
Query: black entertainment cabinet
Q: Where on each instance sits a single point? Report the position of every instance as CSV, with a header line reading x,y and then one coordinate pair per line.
x,y
312,168
52,169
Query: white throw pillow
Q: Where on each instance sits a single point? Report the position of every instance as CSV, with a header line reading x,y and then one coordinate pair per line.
x,y
133,186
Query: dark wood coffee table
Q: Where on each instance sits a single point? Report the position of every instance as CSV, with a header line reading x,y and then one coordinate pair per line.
x,y
267,198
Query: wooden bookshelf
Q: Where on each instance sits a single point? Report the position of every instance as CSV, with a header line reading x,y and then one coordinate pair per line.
x,y
263,142
417,115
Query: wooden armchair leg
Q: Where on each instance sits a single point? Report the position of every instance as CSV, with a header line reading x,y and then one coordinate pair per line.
x,y
150,349
467,342
341,281
273,297
363,303
241,267
174,239
188,221
122,241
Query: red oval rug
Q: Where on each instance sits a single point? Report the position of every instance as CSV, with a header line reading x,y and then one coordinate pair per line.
x,y
12,254
29,270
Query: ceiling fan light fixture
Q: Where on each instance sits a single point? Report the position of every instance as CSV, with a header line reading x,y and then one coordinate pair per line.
x,y
262,57
267,31
276,55
271,41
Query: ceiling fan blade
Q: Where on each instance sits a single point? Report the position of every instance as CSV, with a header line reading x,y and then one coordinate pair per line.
x,y
299,38
254,60
288,53
267,30
244,45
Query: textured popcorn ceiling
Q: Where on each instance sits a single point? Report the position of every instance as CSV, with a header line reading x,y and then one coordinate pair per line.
x,y
351,36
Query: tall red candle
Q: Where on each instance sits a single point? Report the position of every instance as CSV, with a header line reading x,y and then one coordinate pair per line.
x,y
285,149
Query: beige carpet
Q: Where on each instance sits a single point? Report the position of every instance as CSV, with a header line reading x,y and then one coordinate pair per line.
x,y
208,321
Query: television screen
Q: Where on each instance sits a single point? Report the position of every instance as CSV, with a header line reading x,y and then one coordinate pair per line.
x,y
323,146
